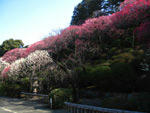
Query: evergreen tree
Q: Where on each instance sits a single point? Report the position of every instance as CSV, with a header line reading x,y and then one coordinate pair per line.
x,y
93,8
9,45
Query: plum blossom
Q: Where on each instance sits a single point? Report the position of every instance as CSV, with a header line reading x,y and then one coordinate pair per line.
x,y
18,68
14,54
142,32
3,64
5,71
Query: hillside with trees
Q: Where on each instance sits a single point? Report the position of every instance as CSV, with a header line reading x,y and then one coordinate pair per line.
x,y
106,54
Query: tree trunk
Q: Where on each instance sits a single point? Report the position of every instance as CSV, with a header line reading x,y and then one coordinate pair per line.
x,y
31,85
75,93
31,81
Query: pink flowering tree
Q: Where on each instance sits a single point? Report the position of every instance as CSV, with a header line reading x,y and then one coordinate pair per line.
x,y
142,33
3,65
5,72
40,45
14,54
133,12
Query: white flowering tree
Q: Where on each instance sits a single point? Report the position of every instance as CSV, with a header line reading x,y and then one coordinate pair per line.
x,y
37,66
18,69
36,63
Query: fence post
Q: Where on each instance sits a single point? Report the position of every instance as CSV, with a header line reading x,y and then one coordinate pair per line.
x,y
51,103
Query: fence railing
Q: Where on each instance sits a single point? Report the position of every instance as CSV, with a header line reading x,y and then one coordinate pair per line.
x,y
42,97
78,108
34,94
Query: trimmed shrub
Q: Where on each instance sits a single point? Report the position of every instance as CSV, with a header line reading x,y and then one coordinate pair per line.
x,y
59,96
98,76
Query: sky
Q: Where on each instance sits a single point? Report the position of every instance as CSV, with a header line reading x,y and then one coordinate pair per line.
x,y
33,20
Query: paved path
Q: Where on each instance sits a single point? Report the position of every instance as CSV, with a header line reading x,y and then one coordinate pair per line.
x,y
11,105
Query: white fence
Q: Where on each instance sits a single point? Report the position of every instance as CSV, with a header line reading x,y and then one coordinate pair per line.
x,y
78,108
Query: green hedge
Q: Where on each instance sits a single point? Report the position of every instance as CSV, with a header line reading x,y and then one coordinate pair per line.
x,y
59,96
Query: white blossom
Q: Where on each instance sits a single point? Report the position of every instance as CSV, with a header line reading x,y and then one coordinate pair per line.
x,y
18,68
38,59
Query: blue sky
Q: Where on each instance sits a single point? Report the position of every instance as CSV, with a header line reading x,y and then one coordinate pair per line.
x,y
33,20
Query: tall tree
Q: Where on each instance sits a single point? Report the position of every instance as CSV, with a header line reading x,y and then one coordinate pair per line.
x,y
93,8
85,10
79,14
111,6
9,45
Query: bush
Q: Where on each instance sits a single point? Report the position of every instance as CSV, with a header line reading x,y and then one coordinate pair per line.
x,y
98,76
135,102
59,96
124,77
25,84
123,58
11,90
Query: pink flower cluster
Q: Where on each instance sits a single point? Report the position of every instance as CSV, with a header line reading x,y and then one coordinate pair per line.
x,y
5,71
36,46
142,32
14,54
133,13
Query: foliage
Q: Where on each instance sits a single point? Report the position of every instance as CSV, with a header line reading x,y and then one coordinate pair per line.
x,y
133,102
25,84
93,8
99,76
10,89
124,77
59,96
116,77
123,57
10,44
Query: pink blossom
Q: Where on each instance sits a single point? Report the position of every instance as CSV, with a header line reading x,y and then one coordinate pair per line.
x,y
142,32
5,71
14,54
36,46
132,14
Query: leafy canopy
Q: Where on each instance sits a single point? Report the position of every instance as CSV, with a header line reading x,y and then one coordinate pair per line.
x,y
9,45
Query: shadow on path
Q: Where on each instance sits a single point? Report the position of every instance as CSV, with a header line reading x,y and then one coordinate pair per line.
x,y
26,106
